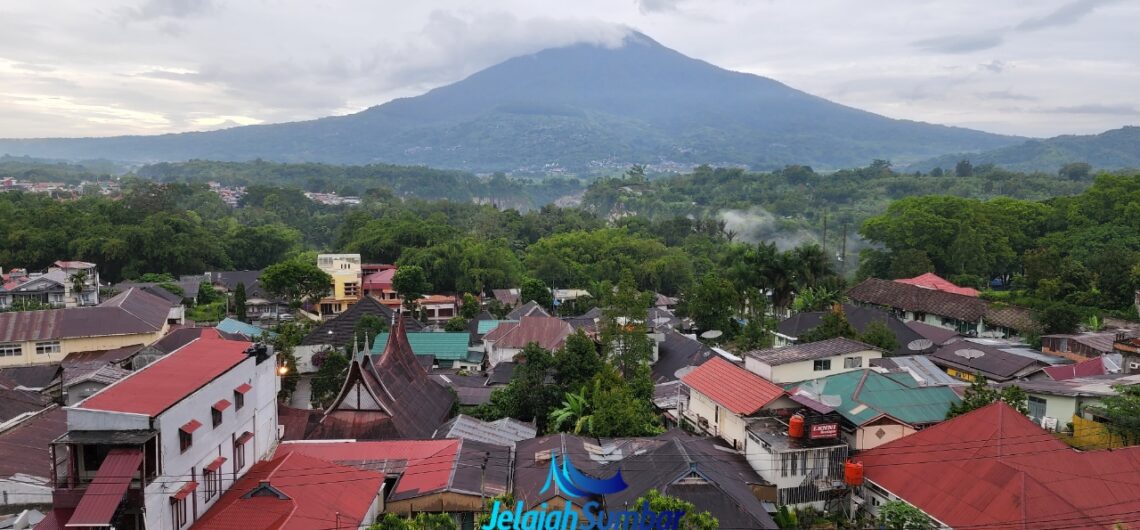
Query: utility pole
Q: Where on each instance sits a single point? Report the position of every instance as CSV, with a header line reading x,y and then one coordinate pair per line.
x,y
843,254
825,232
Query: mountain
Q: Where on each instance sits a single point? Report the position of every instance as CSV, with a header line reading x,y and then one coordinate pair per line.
x,y
577,108
1115,149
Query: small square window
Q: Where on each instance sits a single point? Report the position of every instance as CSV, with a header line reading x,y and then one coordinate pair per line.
x,y
853,362
239,400
11,349
216,415
185,440
47,347
822,365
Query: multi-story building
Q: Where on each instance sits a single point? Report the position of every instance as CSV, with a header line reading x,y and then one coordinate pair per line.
x,y
801,362
65,284
346,286
158,448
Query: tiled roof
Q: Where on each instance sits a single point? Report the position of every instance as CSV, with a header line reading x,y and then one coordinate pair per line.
x,y
933,281
168,380
1016,318
528,309
131,312
810,351
676,352
343,495
935,334
447,346
338,331
867,394
912,298
548,332
994,468
993,363
733,387
860,317
509,297
33,377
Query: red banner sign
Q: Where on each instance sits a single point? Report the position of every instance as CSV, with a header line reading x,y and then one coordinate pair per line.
x,y
824,430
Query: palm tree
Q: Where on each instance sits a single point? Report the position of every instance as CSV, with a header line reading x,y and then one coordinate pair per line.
x,y
575,410
78,282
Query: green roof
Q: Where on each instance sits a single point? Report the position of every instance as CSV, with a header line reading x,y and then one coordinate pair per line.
x,y
867,394
485,326
447,346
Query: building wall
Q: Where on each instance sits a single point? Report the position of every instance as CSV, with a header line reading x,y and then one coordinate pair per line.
x,y
25,489
77,393
702,406
774,467
867,436
80,344
499,355
805,370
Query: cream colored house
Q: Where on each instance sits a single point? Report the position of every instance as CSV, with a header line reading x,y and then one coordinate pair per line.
x,y
133,317
346,282
800,362
722,396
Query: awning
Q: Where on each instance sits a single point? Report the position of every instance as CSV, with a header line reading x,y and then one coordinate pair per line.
x,y
102,497
221,405
185,490
216,464
243,388
190,426
244,438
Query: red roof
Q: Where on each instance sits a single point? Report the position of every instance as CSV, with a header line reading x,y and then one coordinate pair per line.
x,y
994,468
935,282
548,332
731,386
378,281
170,379
425,465
216,464
222,404
293,499
243,388
102,496
1094,366
186,490
190,426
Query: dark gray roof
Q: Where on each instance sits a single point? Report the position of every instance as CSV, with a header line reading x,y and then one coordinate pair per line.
x,y
530,308
189,284
130,312
935,334
501,374
676,352
26,447
16,402
338,331
505,431
914,298
993,363
470,389
32,377
809,351
860,317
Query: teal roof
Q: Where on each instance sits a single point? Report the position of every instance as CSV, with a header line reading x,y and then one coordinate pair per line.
x,y
867,394
447,346
485,326
232,325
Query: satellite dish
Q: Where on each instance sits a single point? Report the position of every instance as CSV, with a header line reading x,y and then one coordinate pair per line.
x,y
712,334
969,353
919,344
831,400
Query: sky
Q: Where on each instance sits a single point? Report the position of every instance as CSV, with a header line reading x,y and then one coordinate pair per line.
x,y
112,67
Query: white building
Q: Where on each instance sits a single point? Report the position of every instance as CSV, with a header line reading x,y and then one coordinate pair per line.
x,y
800,362
807,470
156,449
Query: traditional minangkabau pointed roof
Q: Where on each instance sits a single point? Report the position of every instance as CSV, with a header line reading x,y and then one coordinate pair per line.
x,y
386,396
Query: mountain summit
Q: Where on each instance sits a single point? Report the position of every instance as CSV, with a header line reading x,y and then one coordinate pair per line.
x,y
576,108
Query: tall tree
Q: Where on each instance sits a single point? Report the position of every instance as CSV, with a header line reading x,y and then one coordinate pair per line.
x,y
833,324
1122,413
624,329
692,520
296,280
329,378
533,290
879,335
577,361
411,283
239,302
980,394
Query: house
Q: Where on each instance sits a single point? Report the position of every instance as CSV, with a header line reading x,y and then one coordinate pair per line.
x,y
507,340
338,332
1082,346
1129,350
934,282
18,405
502,432
860,317
86,373
994,468
1107,364
529,309
804,468
678,353
385,397
965,314
939,336
507,297
378,285
877,408
800,362
438,308
346,283
919,367
189,285
42,337
470,388
966,359
158,448
698,470
722,396
25,458
280,493
1054,403
259,303
447,349
55,288
453,476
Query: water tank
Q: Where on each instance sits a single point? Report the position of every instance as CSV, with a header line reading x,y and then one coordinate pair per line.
x,y
796,426
853,473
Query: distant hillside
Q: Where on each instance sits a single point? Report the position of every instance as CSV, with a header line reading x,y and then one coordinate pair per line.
x,y
1115,149
579,108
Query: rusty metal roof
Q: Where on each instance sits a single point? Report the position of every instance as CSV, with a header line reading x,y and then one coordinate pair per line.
x,y
129,313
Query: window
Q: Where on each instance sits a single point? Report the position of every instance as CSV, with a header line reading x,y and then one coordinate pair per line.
x,y
784,465
208,477
11,349
185,440
47,347
352,289
803,462
1036,408
852,362
178,511
216,415
239,400
795,464
822,365
239,457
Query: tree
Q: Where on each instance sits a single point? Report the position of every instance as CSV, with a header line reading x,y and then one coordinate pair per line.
x,y
980,394
78,282
910,262
368,327
624,330
833,324
899,515
455,324
528,397
1059,318
1122,413
289,335
329,378
577,361
296,281
470,308
709,302
692,520
1075,171
879,335
411,283
239,302
963,168
616,408
574,414
533,290
421,521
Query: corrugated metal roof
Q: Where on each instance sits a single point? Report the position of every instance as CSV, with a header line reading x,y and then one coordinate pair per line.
x,y
547,332
731,386
102,497
505,431
867,394
448,346
24,448
485,326
936,282
810,351
129,313
232,325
